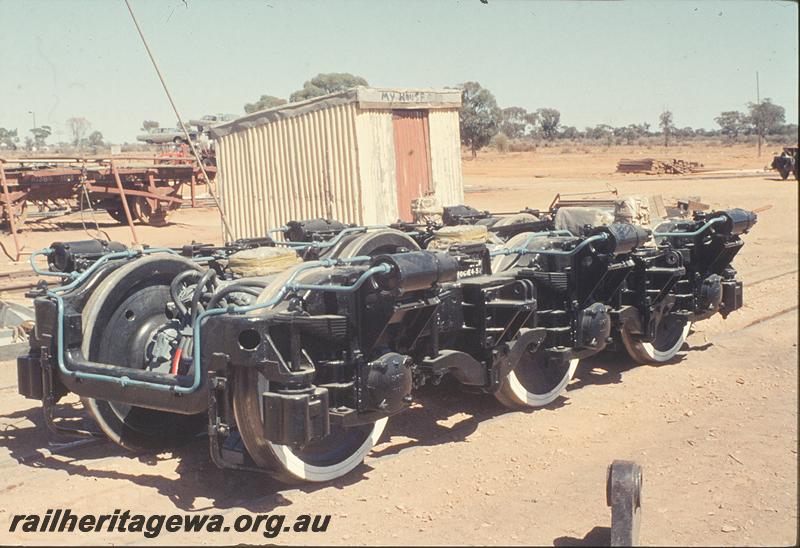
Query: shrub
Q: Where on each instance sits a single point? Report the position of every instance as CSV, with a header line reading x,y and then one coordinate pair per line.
x,y
522,145
500,143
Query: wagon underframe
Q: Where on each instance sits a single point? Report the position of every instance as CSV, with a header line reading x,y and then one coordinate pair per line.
x,y
129,193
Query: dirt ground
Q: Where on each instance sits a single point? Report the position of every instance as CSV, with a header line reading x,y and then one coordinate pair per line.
x,y
715,431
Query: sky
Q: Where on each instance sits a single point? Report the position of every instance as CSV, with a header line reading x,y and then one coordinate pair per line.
x,y
597,62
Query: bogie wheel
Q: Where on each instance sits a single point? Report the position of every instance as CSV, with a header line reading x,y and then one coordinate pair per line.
x,y
120,321
501,263
516,219
146,212
508,221
117,212
536,381
375,243
18,209
671,333
318,461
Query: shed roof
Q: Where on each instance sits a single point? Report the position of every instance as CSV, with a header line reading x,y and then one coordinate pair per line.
x,y
364,97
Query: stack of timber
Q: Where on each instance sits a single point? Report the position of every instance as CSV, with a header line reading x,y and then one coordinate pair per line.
x,y
652,166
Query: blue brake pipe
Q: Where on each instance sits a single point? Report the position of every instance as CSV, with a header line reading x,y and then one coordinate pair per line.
x,y
525,250
689,234
333,241
47,251
127,254
378,269
536,235
197,378
547,233
326,263
54,294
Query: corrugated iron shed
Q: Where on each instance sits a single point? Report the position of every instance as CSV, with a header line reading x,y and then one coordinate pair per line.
x,y
359,156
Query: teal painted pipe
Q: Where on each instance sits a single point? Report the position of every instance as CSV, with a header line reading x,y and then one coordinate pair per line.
x,y
689,234
125,381
526,251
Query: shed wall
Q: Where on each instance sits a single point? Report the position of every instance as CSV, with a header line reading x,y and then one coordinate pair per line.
x,y
337,161
377,166
445,142
300,167
377,162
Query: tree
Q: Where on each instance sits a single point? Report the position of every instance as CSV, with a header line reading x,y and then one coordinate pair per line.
x,y
500,142
549,120
570,132
263,103
479,116
514,122
40,135
667,126
150,125
789,130
95,139
532,121
765,117
600,131
8,138
322,84
78,128
731,123
631,132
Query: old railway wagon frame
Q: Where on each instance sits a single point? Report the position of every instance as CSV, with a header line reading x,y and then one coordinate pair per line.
x,y
130,188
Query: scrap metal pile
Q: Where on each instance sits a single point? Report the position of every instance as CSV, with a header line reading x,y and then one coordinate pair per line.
x,y
291,351
652,166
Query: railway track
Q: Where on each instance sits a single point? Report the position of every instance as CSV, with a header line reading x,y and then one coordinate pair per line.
x,y
18,280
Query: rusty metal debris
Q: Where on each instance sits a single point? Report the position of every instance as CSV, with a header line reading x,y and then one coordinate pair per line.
x,y
652,166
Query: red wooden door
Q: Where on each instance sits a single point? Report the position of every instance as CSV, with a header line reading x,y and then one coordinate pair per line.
x,y
413,158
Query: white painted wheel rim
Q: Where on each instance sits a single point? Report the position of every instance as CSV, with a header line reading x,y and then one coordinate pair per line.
x,y
309,472
648,352
538,400
288,458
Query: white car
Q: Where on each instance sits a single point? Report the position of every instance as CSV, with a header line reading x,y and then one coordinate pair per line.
x,y
161,135
211,120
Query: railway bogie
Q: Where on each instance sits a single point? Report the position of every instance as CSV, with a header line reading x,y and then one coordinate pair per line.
x,y
295,366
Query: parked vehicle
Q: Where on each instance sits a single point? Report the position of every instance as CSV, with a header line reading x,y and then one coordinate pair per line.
x,y
163,135
786,162
211,120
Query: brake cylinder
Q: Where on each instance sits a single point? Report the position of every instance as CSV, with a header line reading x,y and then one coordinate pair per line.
x,y
416,270
72,256
622,238
737,221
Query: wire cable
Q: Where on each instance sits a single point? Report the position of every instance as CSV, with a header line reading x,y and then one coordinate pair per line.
x,y
228,232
